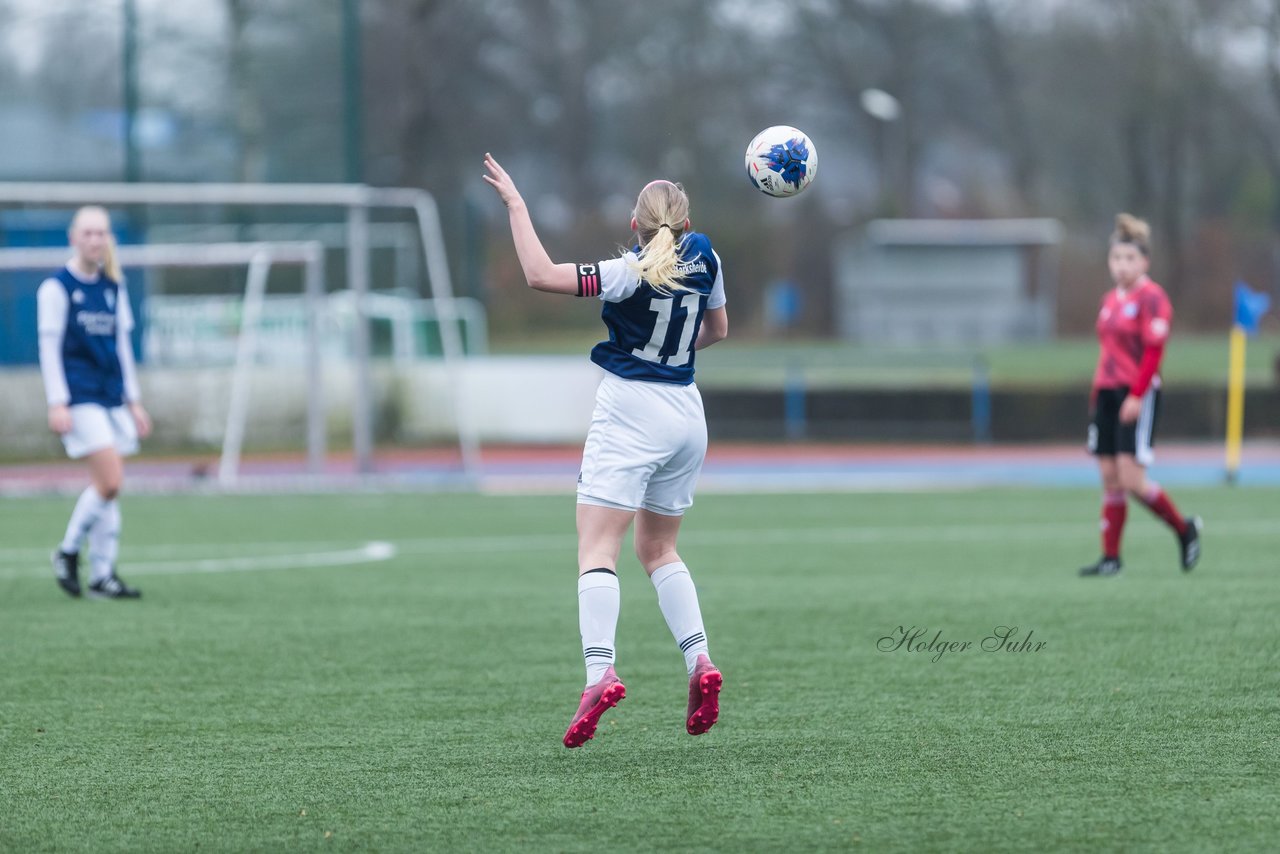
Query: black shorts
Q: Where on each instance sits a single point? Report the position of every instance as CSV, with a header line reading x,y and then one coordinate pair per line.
x,y
1108,437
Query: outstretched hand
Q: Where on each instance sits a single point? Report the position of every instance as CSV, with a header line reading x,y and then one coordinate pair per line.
x,y
501,182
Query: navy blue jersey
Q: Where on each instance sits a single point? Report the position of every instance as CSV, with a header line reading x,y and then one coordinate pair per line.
x,y
90,356
651,334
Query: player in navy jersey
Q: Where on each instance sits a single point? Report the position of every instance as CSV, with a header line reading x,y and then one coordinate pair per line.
x,y
91,386
1133,328
663,301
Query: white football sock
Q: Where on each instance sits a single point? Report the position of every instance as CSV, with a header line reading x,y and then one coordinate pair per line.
x,y
104,541
678,600
88,507
598,603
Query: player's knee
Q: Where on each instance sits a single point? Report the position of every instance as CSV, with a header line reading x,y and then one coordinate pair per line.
x,y
1134,482
594,554
652,551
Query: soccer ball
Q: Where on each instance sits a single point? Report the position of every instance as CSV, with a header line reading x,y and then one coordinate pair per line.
x,y
781,161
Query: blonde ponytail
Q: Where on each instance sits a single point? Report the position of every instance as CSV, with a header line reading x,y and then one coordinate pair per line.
x,y
662,213
1134,231
110,263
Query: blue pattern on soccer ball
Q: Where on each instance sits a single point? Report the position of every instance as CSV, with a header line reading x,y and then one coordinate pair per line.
x,y
791,160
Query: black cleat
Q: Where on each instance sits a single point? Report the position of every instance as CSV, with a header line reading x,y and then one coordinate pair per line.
x,y
1190,543
1104,566
66,571
112,587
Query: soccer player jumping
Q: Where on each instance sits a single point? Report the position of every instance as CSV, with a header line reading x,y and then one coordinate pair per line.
x,y
663,300
1132,326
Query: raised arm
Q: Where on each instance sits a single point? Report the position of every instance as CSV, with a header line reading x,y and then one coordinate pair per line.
x,y
540,271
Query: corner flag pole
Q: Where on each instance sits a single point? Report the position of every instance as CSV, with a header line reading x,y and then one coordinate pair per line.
x,y
1250,307
1235,401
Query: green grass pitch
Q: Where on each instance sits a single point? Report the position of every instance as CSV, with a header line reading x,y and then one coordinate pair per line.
x,y
418,703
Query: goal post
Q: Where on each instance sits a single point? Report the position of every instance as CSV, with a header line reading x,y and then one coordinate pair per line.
x,y
356,200
259,258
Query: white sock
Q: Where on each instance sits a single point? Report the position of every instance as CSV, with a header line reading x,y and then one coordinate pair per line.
x,y
104,541
678,600
88,507
598,602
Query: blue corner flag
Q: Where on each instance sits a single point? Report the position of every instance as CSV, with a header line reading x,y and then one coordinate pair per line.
x,y
1250,306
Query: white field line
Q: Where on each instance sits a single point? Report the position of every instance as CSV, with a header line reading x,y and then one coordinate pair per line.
x,y
904,534
183,550
372,552
19,562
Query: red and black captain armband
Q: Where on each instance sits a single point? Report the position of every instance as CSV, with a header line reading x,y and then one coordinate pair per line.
x,y
588,280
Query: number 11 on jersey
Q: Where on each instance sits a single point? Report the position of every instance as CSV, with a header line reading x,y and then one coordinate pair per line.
x,y
662,307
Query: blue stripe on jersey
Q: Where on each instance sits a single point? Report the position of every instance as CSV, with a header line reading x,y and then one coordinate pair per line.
x,y
651,334
89,356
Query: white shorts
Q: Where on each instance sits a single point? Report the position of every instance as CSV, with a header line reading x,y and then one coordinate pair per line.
x,y
95,427
645,447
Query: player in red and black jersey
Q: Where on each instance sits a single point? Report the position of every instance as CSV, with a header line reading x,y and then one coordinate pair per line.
x,y
1133,326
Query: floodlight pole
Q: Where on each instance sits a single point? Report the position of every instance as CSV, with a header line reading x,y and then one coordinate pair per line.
x,y
884,110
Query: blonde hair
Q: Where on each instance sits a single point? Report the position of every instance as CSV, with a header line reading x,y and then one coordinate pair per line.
x,y
662,212
110,263
1134,231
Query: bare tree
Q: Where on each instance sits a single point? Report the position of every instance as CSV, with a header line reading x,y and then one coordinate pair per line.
x,y
1007,81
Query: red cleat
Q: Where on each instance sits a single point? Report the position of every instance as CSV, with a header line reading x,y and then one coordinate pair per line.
x,y
598,698
704,697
